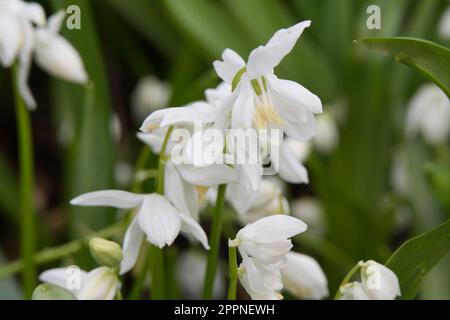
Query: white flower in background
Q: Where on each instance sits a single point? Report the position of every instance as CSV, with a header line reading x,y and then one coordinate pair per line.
x,y
300,149
303,277
190,271
56,55
149,95
123,173
444,25
267,240
377,283
429,114
261,100
99,284
156,218
327,137
309,210
269,200
399,174
260,282
353,291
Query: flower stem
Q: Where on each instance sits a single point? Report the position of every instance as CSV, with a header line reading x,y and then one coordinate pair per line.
x,y
27,218
215,240
347,279
157,254
232,265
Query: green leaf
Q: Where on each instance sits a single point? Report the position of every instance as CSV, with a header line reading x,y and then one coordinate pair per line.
x,y
47,291
412,261
428,58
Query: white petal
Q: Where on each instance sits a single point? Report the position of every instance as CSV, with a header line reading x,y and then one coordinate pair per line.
x,y
219,93
159,220
109,198
25,65
353,291
268,253
243,107
300,131
273,228
66,278
290,169
154,139
131,246
55,22
100,284
10,37
379,282
303,277
153,121
230,65
264,59
207,176
59,58
195,112
191,226
33,12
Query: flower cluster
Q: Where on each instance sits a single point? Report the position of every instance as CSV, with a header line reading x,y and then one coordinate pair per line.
x,y
26,33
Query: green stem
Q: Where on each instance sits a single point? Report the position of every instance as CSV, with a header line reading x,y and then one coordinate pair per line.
x,y
232,265
138,283
157,254
140,165
27,218
215,240
346,279
59,252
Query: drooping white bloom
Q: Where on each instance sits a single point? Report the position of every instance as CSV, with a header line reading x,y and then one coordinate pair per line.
x,y
379,282
269,200
303,277
149,95
309,210
353,291
99,284
156,218
260,282
429,114
327,137
267,239
261,100
56,55
444,25
190,271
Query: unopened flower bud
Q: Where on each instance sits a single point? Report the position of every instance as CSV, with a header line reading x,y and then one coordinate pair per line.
x,y
106,253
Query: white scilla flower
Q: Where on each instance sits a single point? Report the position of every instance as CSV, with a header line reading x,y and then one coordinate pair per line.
x,y
191,267
309,210
303,277
327,137
353,291
260,99
260,282
99,284
267,239
444,25
379,282
399,174
429,114
156,218
149,95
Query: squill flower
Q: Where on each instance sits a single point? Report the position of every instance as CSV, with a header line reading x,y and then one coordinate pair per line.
x,y
327,137
267,240
353,291
260,282
149,95
99,284
303,277
260,99
429,114
444,25
156,218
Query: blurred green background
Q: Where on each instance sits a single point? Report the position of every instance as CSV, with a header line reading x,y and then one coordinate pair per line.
x,y
176,41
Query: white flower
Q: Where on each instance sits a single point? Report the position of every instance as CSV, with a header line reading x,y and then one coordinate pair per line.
x,y
300,149
149,95
99,284
56,55
309,210
327,137
429,114
269,200
353,291
190,269
266,240
303,277
260,282
156,218
399,174
444,25
378,281
261,100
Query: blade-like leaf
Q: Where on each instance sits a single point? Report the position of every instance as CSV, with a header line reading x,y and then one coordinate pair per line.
x,y
412,261
430,59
